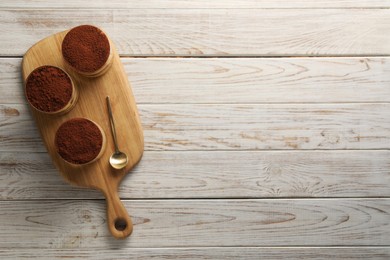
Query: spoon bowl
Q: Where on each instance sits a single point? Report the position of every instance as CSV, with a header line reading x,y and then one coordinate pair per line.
x,y
118,160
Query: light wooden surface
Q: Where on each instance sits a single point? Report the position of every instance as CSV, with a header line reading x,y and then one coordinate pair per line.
x,y
267,128
240,80
198,223
236,127
214,174
211,32
91,104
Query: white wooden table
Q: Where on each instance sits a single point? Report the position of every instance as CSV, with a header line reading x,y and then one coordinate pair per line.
x,y
267,132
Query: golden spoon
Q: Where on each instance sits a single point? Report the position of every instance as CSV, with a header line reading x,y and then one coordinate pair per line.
x,y
118,159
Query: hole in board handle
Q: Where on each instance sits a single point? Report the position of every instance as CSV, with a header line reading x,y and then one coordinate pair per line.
x,y
120,224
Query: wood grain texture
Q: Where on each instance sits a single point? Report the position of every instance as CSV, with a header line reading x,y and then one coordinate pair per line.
x,y
256,127
234,127
92,92
198,223
206,117
215,32
239,80
233,174
211,253
123,4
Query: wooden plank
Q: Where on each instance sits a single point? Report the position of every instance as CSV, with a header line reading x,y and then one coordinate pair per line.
x,y
216,253
239,80
198,223
247,174
120,4
256,127
11,83
234,127
260,80
215,32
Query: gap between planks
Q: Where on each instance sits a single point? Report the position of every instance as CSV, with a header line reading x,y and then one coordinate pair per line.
x,y
196,253
227,56
222,246
200,4
243,103
236,199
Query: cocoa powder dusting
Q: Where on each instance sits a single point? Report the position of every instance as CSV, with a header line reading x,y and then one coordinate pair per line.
x,y
78,141
86,48
48,88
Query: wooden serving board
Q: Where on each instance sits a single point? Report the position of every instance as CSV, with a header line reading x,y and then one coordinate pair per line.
x,y
91,104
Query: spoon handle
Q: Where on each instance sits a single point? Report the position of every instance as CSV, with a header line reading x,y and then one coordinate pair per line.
x,y
112,124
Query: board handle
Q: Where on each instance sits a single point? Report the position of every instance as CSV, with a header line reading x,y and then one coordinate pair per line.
x,y
118,220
